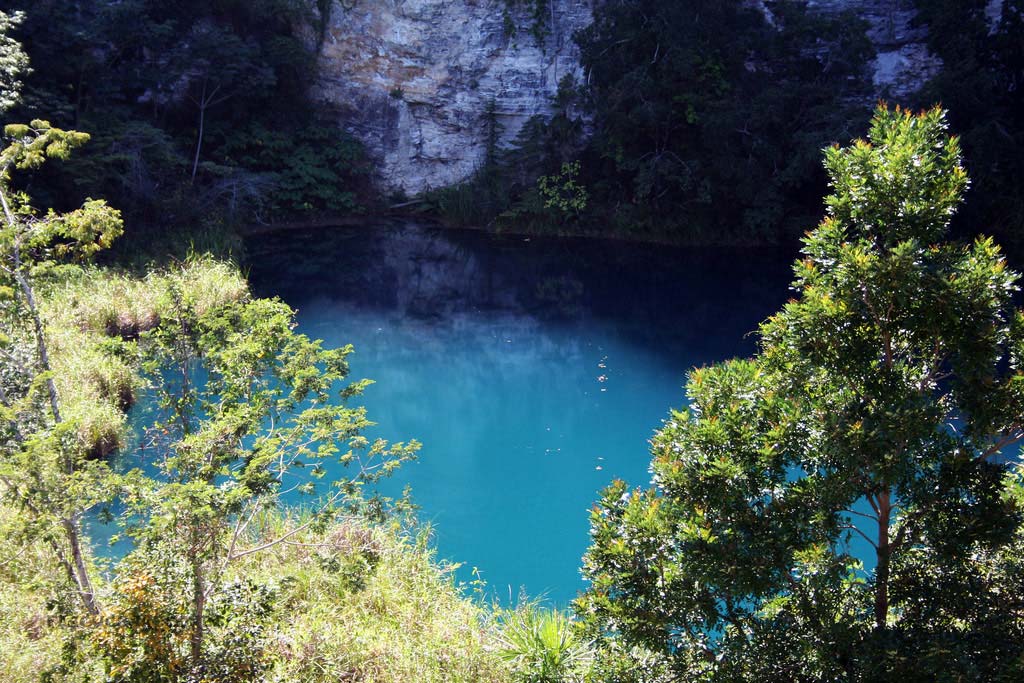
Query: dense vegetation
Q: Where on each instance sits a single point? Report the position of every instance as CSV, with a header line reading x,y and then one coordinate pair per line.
x,y
982,86
706,123
708,114
846,505
219,582
199,112
702,122
697,122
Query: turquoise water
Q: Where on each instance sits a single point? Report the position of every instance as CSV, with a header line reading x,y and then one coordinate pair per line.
x,y
533,371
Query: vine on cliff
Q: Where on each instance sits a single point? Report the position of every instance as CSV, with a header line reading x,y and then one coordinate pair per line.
x,y
538,11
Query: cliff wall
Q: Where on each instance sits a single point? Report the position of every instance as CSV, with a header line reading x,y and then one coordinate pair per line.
x,y
420,81
903,62
415,80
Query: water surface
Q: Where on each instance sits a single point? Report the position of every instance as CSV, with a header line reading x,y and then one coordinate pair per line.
x,y
533,371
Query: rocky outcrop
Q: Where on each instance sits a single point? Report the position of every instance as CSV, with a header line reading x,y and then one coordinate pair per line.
x,y
424,83
420,82
903,62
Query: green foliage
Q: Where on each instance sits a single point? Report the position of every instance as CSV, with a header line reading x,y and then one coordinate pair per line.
x,y
504,193
142,628
404,620
48,437
143,631
312,168
538,14
13,61
198,112
703,122
292,611
980,83
709,120
841,506
38,611
563,191
543,646
242,409
243,402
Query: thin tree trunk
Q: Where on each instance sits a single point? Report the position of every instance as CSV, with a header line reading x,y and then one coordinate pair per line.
x,y
203,101
199,142
198,609
883,554
81,571
69,524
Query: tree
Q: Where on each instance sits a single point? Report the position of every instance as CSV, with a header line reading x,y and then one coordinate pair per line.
x,y
45,468
218,66
844,505
191,106
708,119
244,402
981,83
13,61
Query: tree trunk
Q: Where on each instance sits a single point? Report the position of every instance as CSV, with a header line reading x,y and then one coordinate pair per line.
x,y
80,574
198,609
81,571
883,552
199,142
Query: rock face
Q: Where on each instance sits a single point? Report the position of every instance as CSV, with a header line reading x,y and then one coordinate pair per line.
x,y
903,62
420,81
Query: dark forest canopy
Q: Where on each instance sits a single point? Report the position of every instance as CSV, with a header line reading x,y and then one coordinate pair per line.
x,y
704,123
982,86
198,111
697,121
707,113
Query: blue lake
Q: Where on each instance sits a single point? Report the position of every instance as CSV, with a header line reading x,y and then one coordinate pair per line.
x,y
533,371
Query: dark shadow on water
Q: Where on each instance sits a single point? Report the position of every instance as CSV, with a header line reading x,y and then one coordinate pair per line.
x,y
704,299
534,370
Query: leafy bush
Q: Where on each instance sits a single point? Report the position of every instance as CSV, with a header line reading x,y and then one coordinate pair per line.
x,y
543,646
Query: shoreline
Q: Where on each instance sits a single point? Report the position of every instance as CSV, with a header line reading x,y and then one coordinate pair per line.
x,y
376,219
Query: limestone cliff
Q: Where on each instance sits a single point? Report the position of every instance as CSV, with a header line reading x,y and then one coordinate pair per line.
x,y
414,79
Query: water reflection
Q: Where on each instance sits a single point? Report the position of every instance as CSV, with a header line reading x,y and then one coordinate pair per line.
x,y
534,371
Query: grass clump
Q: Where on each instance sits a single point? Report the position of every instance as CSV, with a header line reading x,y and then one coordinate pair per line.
x,y
38,634
543,645
373,604
92,317
357,601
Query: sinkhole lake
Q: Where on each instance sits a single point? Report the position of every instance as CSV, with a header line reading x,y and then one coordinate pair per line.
x,y
533,370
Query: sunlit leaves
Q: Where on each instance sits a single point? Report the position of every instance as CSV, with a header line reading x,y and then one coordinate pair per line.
x,y
53,438
838,506
13,61
249,411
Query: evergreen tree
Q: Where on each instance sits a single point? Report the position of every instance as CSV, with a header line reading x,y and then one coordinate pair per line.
x,y
843,505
